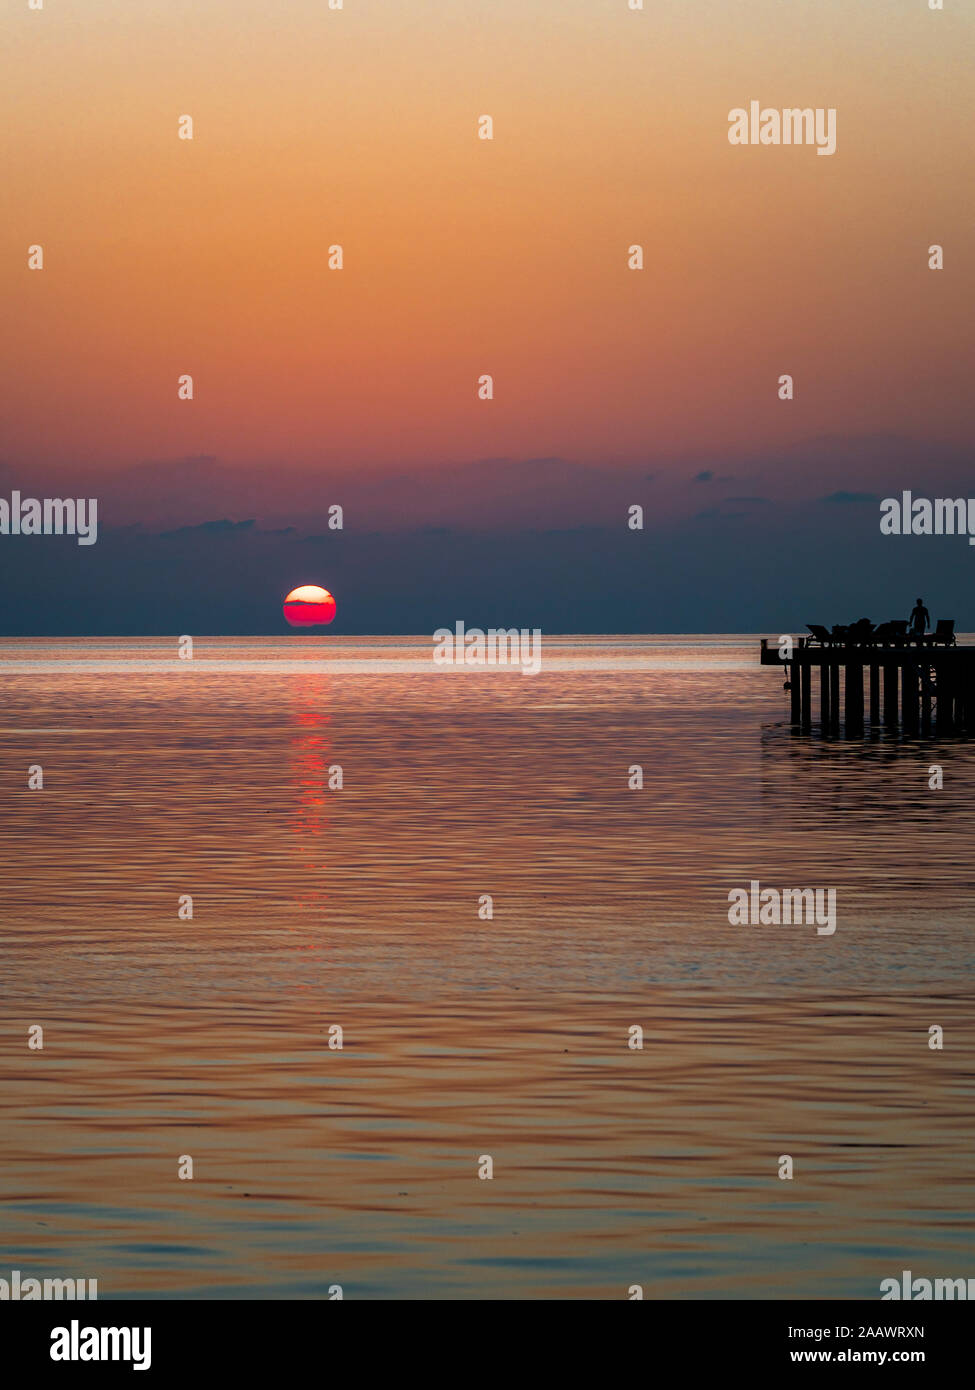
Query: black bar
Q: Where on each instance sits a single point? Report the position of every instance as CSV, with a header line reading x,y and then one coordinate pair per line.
x,y
250,1341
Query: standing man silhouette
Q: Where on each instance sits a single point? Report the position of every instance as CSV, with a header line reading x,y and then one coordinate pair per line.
x,y
920,619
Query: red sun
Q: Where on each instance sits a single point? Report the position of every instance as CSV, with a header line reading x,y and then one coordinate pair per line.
x,y
309,606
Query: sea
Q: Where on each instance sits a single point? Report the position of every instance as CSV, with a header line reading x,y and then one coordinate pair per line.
x,y
429,973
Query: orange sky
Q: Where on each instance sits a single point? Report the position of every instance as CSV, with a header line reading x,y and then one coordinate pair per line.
x,y
464,256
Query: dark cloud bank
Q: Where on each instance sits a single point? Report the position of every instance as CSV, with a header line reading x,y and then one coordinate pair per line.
x,y
538,542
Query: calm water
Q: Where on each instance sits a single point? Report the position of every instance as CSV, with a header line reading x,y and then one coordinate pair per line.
x,y
462,1037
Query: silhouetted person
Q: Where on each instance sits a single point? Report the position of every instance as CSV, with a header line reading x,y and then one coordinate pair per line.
x,y
920,619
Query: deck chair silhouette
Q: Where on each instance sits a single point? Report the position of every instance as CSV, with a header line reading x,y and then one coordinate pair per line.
x,y
944,633
860,631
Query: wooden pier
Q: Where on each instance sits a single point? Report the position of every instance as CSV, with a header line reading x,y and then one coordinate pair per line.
x,y
913,687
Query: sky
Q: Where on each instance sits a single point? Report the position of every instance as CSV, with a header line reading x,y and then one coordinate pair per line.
x,y
462,257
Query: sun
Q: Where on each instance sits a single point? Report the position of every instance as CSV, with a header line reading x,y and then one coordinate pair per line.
x,y
309,606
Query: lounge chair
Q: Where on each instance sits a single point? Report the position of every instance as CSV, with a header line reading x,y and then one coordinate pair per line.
x,y
820,634
860,632
943,635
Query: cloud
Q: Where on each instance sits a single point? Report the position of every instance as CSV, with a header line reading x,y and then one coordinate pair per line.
x,y
222,527
848,497
690,579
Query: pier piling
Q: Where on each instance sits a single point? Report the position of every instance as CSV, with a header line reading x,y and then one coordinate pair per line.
x,y
854,698
824,698
874,695
890,694
911,703
806,671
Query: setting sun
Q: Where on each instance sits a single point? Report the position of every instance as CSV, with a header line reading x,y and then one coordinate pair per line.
x,y
309,606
